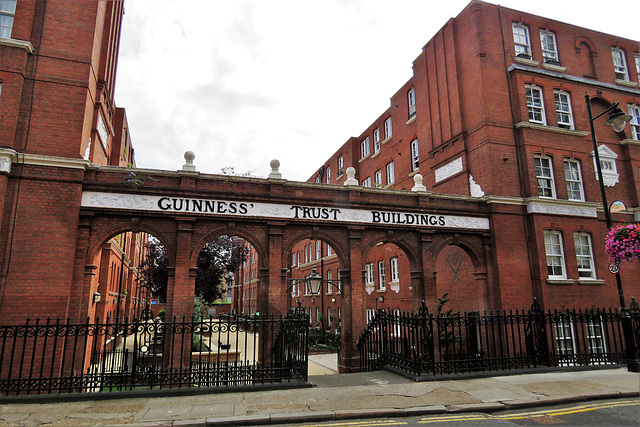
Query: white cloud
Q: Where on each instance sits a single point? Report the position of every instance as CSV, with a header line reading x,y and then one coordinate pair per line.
x,y
242,82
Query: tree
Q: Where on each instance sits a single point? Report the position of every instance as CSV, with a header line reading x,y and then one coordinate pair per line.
x,y
154,268
217,259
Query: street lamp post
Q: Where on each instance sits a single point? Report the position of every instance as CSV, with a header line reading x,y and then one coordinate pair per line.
x,y
617,120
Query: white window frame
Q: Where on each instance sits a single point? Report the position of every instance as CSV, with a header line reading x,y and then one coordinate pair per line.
x,y
549,46
634,112
395,271
340,165
573,178
306,254
554,252
544,177
329,250
366,182
388,128
376,140
584,256
535,104
328,172
391,173
411,100
382,277
329,279
521,39
596,338
369,274
636,58
378,178
619,64
563,109
293,259
415,155
565,340
6,18
318,247
364,148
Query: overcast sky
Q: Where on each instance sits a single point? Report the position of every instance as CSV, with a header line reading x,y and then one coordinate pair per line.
x,y
242,82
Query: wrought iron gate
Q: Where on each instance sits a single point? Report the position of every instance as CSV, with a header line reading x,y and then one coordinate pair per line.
x,y
61,357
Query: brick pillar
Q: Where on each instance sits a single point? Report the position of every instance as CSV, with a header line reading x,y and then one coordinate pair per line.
x,y
181,301
417,289
428,271
82,288
276,294
353,305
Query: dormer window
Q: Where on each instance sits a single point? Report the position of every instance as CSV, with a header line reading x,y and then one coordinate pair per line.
x,y
619,64
549,48
521,41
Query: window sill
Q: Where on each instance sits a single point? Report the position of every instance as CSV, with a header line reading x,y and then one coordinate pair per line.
x,y
376,154
626,83
590,281
20,44
554,67
526,61
411,119
630,141
385,141
381,291
414,172
538,126
560,281
364,158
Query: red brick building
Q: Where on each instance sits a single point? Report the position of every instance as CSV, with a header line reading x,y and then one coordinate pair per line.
x,y
495,110
57,115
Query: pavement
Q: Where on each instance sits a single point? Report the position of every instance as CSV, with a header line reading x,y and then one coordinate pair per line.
x,y
332,397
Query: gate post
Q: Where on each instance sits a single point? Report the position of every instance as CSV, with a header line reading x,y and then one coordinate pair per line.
x,y
274,292
180,305
353,308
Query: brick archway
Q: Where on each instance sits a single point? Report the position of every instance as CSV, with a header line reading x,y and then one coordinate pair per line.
x,y
187,211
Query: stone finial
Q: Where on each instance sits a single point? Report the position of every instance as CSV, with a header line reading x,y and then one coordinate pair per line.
x,y
351,177
189,166
275,172
417,183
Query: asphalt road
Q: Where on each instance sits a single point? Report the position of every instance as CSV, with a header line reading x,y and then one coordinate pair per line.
x,y
620,412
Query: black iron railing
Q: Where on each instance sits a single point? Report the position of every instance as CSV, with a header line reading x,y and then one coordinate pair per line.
x,y
53,356
421,344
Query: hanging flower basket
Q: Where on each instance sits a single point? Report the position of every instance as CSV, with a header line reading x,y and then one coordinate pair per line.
x,y
623,243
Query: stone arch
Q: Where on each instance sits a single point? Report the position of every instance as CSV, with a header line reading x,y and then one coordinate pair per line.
x,y
229,231
413,257
316,235
479,264
97,241
466,286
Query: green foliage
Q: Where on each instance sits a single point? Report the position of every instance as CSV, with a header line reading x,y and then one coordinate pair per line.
x,y
162,313
219,257
198,345
199,308
154,268
446,331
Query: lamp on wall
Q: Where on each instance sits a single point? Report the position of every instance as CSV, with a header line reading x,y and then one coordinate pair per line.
x,y
96,297
617,121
